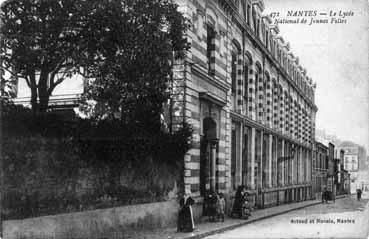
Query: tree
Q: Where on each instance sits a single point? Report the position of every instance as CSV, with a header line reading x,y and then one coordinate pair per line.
x,y
133,44
42,43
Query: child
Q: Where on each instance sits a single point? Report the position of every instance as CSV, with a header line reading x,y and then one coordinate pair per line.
x,y
246,207
220,207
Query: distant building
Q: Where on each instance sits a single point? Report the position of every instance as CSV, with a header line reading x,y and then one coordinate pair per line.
x,y
322,136
355,156
339,155
320,169
355,163
331,167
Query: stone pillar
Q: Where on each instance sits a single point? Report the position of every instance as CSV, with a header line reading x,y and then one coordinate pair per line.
x,y
275,161
261,166
251,162
282,163
297,164
240,156
292,166
270,161
213,165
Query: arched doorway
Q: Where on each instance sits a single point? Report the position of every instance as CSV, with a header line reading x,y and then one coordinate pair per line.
x,y
208,154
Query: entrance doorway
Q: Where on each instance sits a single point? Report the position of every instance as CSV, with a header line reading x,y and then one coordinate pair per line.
x,y
208,155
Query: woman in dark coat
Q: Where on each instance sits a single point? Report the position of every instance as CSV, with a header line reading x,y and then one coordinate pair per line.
x,y
180,221
185,217
238,202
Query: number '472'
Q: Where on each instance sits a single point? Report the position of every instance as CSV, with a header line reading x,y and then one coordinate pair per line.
x,y
274,14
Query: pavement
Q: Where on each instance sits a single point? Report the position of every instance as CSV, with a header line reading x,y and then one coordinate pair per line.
x,y
205,228
346,218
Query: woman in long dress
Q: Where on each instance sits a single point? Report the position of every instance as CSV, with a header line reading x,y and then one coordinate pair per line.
x,y
238,202
185,217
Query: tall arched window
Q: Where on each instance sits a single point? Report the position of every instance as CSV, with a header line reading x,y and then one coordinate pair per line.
x,y
234,70
246,70
210,49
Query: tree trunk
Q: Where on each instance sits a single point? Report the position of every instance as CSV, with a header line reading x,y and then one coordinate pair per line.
x,y
44,102
43,92
34,103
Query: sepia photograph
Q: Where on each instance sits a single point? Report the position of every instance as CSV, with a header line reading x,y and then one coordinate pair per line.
x,y
184,119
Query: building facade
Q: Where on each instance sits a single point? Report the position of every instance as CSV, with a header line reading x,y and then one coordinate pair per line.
x,y
250,102
340,171
355,156
320,169
355,164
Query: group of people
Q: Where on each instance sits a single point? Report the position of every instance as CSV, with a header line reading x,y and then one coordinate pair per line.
x,y
328,195
214,208
241,206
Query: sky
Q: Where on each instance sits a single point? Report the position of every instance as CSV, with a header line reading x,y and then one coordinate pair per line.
x,y
336,56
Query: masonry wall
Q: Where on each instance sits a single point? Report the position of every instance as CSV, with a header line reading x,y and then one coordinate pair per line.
x,y
103,223
45,176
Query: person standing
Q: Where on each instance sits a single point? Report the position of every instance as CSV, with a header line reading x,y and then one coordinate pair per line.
x,y
220,207
187,221
334,191
238,201
180,220
358,194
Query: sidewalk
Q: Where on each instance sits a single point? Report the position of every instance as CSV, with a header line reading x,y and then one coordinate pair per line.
x,y
206,228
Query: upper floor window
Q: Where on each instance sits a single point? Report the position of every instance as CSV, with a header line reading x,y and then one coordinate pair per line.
x,y
248,63
210,49
254,19
234,71
248,13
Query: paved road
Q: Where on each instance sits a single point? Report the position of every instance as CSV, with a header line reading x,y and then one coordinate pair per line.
x,y
347,218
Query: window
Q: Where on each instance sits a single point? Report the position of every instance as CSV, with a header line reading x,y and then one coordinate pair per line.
x,y
233,155
210,48
234,72
254,19
248,14
246,81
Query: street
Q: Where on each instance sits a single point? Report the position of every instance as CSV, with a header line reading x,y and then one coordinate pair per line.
x,y
347,218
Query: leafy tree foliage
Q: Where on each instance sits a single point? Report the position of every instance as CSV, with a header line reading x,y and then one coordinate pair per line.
x,y
132,46
42,43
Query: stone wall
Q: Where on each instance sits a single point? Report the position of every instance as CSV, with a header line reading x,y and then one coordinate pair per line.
x,y
95,223
46,176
